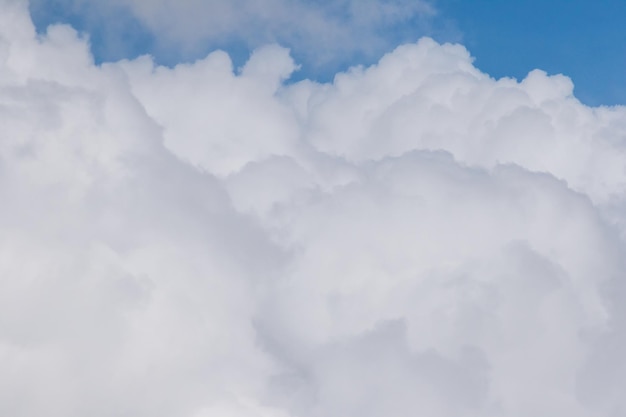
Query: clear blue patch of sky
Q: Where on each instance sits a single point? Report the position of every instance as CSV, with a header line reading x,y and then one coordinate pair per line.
x,y
583,39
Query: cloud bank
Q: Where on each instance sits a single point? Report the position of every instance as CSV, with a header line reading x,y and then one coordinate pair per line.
x,y
413,238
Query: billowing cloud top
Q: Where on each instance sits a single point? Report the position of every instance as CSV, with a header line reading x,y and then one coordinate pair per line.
x,y
414,238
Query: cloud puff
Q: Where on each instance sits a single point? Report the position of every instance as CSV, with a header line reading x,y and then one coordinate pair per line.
x,y
413,238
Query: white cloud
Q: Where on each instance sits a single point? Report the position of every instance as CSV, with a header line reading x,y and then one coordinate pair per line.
x,y
415,238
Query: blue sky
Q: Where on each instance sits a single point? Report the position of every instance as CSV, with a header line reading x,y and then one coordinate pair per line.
x,y
582,39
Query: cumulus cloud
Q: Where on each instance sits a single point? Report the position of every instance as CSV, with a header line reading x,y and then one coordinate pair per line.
x,y
413,238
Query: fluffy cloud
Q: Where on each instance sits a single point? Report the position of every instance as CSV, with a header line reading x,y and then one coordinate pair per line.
x,y
414,238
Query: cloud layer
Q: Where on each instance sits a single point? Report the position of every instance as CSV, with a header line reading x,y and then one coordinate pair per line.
x,y
414,238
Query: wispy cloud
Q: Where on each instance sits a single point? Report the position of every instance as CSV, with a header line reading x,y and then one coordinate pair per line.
x,y
322,32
